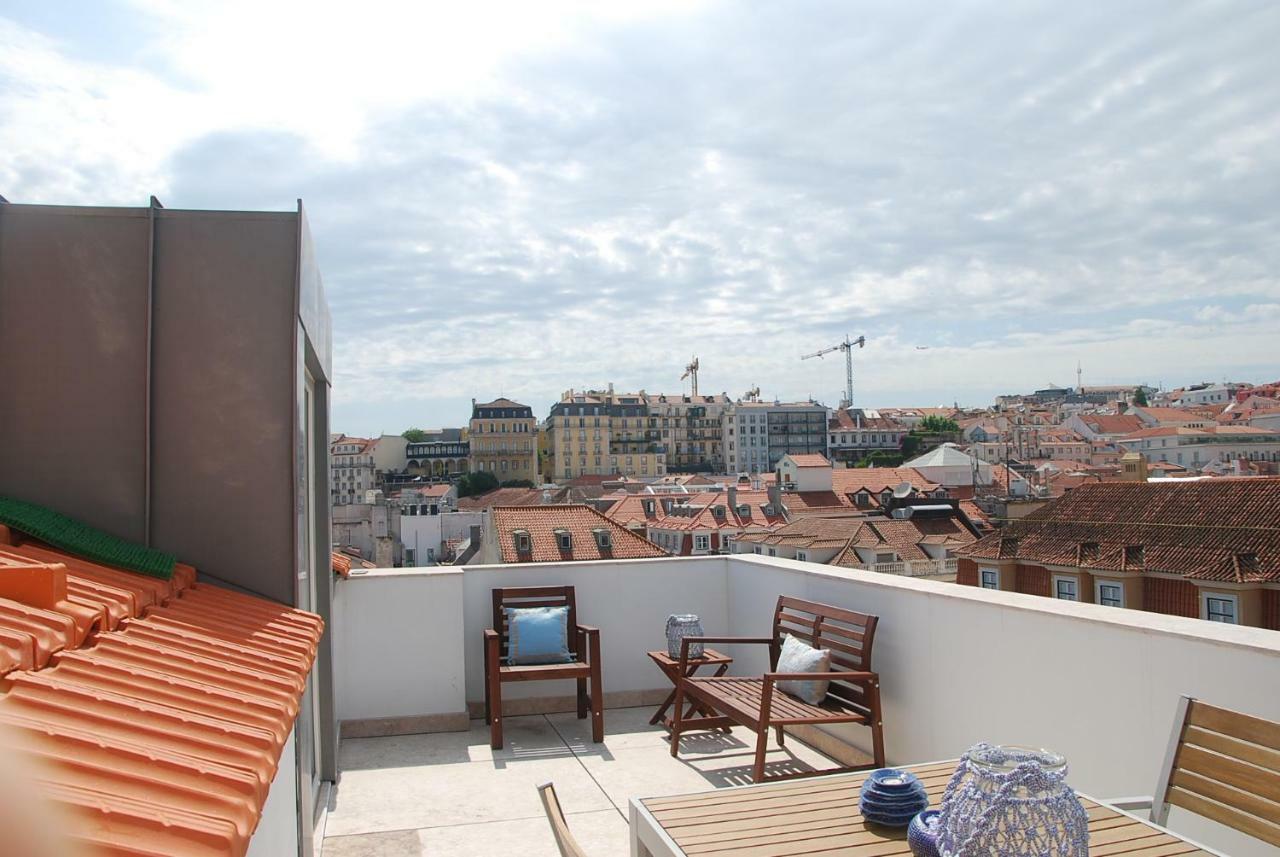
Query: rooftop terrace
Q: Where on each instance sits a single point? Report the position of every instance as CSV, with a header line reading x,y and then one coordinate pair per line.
x,y
957,664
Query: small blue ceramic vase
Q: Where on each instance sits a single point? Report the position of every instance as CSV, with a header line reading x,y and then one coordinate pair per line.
x,y
922,834
892,798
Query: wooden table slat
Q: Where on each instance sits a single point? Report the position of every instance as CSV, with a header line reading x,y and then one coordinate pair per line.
x,y
820,816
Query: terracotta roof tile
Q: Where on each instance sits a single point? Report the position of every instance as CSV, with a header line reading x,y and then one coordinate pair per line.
x,y
1198,529
542,522
500,497
159,708
1112,423
810,460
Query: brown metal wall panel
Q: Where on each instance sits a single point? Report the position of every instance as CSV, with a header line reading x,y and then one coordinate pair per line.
x,y
73,348
223,357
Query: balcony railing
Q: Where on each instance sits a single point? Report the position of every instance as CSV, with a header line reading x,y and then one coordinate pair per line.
x,y
916,567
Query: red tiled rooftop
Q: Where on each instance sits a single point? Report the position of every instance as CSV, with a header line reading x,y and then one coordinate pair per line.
x,y
1198,529
1112,423
500,497
581,521
156,709
810,460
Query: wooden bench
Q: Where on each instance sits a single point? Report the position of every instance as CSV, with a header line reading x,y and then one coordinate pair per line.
x,y
853,696
584,645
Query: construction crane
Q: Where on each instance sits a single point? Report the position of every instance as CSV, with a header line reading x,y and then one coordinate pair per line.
x,y
691,371
847,348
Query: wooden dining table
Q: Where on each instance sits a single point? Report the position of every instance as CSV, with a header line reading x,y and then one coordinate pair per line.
x,y
819,815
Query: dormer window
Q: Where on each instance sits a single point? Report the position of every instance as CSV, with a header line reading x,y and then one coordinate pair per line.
x,y
1135,556
744,511
886,497
524,544
604,539
718,511
564,539
1088,551
862,499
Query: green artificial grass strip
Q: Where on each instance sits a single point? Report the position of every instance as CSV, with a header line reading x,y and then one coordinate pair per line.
x,y
85,541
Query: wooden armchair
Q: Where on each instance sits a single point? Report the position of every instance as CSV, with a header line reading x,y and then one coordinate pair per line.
x,y
853,695
584,646
1223,765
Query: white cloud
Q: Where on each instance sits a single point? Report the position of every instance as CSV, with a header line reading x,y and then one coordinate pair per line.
x,y
533,196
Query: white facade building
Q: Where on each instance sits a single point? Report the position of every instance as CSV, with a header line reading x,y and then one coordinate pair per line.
x,y
351,469
757,434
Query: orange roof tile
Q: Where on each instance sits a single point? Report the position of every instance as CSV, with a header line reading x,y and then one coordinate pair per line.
x,y
158,709
581,521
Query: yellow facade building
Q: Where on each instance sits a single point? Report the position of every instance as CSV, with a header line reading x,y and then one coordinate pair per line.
x,y
602,433
503,438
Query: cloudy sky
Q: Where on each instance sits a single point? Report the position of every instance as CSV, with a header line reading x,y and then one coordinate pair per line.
x,y
519,198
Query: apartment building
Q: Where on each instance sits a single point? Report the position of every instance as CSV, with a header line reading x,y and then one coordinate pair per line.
x,y
1198,448
854,433
602,433
444,456
689,428
1207,549
351,467
757,434
503,438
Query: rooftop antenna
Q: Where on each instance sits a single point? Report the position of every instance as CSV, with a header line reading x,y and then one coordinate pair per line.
x,y
847,347
1079,383
691,371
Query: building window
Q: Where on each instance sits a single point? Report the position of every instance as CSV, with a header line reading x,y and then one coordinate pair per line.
x,y
989,578
773,552
1110,594
756,549
1066,588
702,543
1221,608
802,556
565,539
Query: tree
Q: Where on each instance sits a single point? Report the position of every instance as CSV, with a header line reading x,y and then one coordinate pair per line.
x,y
910,445
517,483
479,482
414,435
939,425
1139,397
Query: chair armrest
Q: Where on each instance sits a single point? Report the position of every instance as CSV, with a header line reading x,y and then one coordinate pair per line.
x,y
490,634
1129,803
588,629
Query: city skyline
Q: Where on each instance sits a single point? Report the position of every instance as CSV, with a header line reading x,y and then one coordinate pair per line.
x,y
516,199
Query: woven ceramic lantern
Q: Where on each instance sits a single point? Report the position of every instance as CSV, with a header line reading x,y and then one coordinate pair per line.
x,y
679,626
1012,801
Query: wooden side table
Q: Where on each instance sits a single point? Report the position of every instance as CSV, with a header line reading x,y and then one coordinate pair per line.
x,y
671,669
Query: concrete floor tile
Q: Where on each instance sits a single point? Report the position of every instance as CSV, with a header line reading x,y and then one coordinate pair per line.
x,y
523,737
396,843
601,834
380,799
624,729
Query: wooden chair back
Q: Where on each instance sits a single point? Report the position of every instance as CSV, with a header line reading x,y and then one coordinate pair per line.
x,y
1225,766
559,827
534,596
846,634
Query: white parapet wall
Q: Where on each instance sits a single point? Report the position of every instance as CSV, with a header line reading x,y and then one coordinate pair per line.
x,y
398,651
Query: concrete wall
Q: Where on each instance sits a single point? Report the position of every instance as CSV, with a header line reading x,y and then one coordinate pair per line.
x,y
398,654
277,832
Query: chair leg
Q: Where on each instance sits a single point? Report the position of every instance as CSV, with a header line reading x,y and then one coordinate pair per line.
x,y
495,712
488,716
677,718
877,725
597,705
782,741
762,745
582,698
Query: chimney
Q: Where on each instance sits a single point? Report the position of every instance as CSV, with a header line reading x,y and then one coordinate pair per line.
x,y
733,496
775,495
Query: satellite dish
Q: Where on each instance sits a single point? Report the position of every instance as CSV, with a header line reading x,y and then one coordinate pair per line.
x,y
903,491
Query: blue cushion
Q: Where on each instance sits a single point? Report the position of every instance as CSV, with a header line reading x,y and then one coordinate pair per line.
x,y
538,635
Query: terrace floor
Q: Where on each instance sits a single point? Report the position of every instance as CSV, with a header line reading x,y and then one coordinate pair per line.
x,y
450,794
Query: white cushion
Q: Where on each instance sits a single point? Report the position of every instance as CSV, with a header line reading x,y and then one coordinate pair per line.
x,y
799,657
